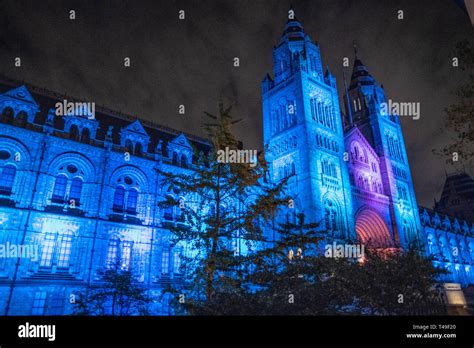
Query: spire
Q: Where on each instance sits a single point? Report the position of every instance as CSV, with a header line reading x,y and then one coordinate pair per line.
x,y
360,73
293,29
355,49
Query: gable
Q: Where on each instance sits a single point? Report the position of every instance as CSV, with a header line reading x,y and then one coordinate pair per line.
x,y
135,127
21,93
356,134
182,141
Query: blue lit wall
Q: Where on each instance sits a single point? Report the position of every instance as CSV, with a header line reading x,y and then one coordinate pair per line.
x,y
83,191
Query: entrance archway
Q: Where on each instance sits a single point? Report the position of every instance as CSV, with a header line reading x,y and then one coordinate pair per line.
x,y
372,230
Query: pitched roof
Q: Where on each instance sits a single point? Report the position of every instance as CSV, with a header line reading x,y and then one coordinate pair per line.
x,y
46,100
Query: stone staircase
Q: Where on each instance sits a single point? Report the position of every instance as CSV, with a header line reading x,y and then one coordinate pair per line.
x,y
47,275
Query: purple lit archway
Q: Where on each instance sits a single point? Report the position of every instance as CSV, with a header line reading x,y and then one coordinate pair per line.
x,y
372,230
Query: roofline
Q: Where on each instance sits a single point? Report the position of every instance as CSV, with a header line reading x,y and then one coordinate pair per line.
x,y
100,108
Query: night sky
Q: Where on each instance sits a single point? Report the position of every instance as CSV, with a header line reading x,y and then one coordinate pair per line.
x,y
190,61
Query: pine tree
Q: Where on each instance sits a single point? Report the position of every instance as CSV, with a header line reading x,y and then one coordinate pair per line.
x,y
117,294
293,276
397,282
223,210
296,277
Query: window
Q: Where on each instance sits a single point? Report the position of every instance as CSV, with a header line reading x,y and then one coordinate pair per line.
x,y
112,253
329,168
119,251
184,161
73,132
56,306
138,149
65,250
127,247
8,113
60,189
129,146
175,158
47,250
119,198
165,262
38,303
176,262
132,201
75,191
6,179
86,136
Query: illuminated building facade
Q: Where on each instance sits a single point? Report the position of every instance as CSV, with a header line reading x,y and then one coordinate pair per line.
x,y
83,191
349,170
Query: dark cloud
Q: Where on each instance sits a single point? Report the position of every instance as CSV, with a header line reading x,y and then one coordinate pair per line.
x,y
190,62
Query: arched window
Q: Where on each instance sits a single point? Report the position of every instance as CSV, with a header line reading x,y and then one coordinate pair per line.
x,y
75,191
119,199
73,132
8,114
119,254
129,146
59,190
175,158
86,136
184,161
138,149
132,201
7,178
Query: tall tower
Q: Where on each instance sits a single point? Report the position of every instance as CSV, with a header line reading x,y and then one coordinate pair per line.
x,y
363,103
304,134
